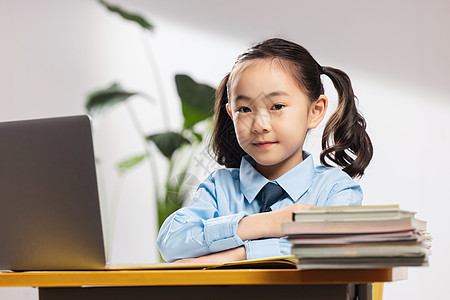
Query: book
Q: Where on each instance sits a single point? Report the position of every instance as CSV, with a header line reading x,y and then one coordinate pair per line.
x,y
277,262
372,250
351,238
353,226
351,213
357,237
362,262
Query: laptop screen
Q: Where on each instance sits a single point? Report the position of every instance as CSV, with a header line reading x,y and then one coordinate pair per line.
x,y
49,205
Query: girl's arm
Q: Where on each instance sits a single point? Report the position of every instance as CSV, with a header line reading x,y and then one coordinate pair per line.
x,y
196,231
235,254
263,227
200,229
267,225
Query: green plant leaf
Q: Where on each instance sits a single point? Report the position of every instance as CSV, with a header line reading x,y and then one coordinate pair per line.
x,y
197,100
165,209
127,15
173,199
168,142
198,136
101,100
129,163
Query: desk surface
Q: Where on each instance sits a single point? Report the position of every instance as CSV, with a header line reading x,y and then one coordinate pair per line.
x,y
199,277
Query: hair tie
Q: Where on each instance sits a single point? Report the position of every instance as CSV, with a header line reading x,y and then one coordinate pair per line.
x,y
324,70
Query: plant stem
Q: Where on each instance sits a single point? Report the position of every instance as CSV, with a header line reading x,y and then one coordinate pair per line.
x,y
158,81
134,118
184,170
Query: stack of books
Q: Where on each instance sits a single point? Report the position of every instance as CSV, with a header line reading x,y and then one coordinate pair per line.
x,y
377,236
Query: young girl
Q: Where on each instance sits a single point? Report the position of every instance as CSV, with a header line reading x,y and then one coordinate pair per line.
x,y
264,108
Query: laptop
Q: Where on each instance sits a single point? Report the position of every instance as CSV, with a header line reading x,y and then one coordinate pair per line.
x,y
49,204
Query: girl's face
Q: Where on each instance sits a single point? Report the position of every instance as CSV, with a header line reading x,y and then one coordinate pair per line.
x,y
271,116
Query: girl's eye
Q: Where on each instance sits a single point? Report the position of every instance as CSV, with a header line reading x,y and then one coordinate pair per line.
x,y
244,109
277,106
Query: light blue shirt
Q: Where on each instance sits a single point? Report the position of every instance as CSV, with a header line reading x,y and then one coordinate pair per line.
x,y
210,224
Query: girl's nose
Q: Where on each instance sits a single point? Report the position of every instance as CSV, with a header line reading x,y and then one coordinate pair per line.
x,y
261,123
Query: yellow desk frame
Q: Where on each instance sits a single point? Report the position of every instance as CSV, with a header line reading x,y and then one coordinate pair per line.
x,y
204,284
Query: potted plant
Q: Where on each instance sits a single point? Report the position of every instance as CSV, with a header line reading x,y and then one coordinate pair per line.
x,y
197,101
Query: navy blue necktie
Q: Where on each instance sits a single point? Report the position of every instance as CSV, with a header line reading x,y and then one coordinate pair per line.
x,y
268,195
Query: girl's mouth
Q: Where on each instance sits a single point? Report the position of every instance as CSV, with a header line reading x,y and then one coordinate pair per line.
x,y
263,145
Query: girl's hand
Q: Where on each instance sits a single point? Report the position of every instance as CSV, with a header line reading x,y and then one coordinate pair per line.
x,y
218,257
288,210
268,225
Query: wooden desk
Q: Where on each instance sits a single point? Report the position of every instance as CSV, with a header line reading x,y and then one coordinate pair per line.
x,y
203,284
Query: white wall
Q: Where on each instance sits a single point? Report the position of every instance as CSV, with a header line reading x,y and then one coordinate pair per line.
x,y
54,52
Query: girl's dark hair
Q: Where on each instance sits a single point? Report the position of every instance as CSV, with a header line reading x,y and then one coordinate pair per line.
x,y
345,141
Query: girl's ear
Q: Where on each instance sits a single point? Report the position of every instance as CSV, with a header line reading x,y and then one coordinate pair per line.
x,y
317,111
227,106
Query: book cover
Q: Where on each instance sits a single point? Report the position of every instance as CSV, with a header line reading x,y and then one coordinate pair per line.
x,y
353,226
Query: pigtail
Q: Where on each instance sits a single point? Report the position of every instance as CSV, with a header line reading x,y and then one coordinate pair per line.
x,y
345,141
224,142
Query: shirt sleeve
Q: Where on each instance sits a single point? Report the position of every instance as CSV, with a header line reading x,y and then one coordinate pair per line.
x,y
198,230
263,248
347,193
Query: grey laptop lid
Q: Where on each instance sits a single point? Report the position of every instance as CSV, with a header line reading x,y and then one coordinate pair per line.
x,y
49,206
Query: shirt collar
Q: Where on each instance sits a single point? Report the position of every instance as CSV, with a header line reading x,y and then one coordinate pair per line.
x,y
295,182
251,180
